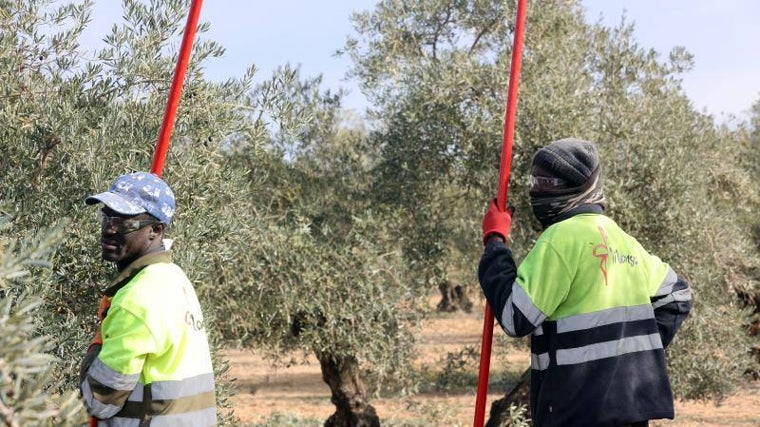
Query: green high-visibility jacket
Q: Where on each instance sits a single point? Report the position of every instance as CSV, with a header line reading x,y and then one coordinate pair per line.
x,y
600,311
154,367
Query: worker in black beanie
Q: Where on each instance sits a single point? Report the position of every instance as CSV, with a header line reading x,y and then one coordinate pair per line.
x,y
599,308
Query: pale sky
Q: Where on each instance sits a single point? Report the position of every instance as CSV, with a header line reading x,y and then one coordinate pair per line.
x,y
722,35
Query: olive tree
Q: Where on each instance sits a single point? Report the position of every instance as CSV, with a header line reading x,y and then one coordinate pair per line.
x,y
427,69
25,371
316,272
734,177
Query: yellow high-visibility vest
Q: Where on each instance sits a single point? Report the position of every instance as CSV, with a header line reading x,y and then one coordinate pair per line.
x,y
155,364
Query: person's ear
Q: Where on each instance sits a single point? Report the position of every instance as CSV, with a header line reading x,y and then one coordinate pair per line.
x,y
157,230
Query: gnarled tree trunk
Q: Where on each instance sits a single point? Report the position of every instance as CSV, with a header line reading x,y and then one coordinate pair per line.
x,y
453,298
351,407
519,394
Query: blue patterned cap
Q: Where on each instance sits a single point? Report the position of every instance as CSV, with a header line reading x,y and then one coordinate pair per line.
x,y
137,193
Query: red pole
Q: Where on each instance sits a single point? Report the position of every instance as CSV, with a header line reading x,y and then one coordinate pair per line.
x,y
501,202
176,89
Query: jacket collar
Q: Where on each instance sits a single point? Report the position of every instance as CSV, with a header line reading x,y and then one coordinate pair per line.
x,y
582,209
135,267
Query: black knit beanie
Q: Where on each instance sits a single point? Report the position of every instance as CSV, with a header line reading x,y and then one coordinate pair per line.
x,y
572,160
566,178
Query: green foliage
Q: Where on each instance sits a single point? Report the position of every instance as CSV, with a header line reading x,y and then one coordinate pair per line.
x,y
458,369
519,416
428,67
297,288
25,362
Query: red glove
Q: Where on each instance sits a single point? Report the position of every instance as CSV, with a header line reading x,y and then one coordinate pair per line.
x,y
496,222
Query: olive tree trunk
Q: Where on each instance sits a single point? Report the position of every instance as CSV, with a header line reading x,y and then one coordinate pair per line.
x,y
519,394
453,298
348,396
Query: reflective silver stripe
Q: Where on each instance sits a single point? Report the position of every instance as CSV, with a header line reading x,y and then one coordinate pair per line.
x,y
101,373
605,317
164,390
539,362
667,285
518,298
119,422
203,418
138,393
539,330
607,349
507,314
682,295
95,407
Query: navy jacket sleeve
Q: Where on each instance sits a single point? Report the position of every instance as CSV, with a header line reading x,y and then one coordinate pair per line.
x,y
497,273
672,304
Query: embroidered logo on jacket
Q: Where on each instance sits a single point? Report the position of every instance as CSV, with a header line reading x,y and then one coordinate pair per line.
x,y
600,251
604,252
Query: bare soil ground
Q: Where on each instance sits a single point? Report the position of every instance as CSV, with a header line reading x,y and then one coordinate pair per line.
x,y
298,390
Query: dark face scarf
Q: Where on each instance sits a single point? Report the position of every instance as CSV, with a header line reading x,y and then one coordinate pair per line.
x,y
550,200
